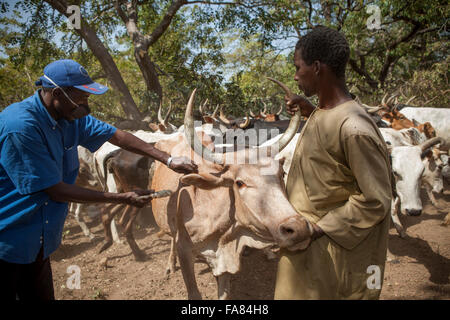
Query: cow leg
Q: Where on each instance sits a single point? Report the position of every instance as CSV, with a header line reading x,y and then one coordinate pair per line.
x,y
184,248
107,217
446,221
394,215
124,218
80,221
139,255
223,286
431,196
171,263
115,233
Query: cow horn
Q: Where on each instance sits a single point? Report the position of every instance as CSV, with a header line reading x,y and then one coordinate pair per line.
x,y
410,99
200,108
191,135
214,115
166,118
391,98
281,110
431,142
222,117
383,101
283,86
370,109
246,123
293,124
252,114
263,113
160,119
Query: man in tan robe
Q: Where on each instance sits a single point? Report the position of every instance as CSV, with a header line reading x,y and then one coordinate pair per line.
x,y
339,180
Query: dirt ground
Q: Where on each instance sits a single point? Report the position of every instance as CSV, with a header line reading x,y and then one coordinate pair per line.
x,y
418,267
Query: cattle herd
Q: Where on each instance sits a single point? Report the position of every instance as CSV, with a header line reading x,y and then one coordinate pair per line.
x,y
237,198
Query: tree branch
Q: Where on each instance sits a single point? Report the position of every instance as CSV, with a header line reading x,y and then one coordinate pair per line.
x,y
164,24
363,72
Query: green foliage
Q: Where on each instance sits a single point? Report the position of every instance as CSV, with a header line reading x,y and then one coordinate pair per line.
x,y
226,51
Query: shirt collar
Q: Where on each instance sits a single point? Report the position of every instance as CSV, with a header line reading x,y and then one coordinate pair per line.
x,y
43,109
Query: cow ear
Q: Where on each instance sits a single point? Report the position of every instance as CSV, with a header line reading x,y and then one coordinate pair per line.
x,y
153,127
206,181
427,153
208,119
162,127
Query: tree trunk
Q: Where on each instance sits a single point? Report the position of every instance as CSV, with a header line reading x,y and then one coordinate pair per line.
x,y
148,70
105,59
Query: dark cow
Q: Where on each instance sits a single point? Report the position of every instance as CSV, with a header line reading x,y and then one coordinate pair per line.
x,y
130,172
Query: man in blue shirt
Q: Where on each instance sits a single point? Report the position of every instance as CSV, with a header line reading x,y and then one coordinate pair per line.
x,y
38,167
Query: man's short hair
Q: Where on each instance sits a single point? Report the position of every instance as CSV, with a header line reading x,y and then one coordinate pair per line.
x,y
325,45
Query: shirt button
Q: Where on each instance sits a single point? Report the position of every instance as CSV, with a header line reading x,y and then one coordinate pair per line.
x,y
54,128
46,203
46,221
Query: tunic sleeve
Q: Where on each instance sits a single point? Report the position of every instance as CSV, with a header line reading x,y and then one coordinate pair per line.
x,y
351,223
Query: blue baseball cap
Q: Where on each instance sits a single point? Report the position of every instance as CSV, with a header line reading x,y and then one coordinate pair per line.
x,y
69,73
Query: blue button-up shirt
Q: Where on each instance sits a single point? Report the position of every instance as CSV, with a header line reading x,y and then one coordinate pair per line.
x,y
37,152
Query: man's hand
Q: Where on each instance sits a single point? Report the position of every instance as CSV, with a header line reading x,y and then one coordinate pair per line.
x,y
183,165
296,103
134,197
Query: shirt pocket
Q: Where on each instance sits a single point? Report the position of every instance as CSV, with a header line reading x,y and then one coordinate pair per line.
x,y
70,159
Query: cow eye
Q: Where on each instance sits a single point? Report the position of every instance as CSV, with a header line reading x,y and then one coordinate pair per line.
x,y
240,184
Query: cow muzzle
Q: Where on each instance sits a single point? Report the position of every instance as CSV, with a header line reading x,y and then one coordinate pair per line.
x,y
413,212
294,234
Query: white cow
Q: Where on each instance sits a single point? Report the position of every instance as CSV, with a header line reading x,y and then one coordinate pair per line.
x,y
412,164
89,177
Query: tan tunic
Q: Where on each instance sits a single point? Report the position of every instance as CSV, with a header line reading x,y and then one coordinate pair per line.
x,y
339,179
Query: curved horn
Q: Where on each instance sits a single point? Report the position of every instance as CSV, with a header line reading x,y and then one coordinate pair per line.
x,y
290,132
223,118
214,115
166,118
281,110
263,113
160,119
293,124
200,108
192,138
383,101
410,99
246,123
391,98
283,86
252,114
431,142
370,109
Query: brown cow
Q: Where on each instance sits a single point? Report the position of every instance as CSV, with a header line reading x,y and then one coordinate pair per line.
x,y
389,114
130,172
271,117
226,206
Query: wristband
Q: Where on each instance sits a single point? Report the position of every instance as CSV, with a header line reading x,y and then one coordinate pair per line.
x,y
169,161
